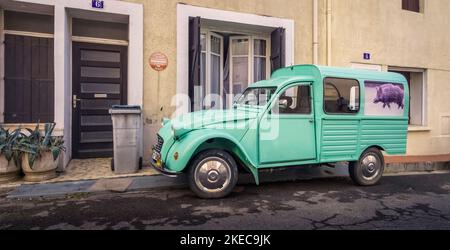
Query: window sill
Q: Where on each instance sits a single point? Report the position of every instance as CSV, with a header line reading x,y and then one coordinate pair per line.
x,y
23,125
413,11
416,128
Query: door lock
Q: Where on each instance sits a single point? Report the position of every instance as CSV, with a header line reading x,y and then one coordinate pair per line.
x,y
74,101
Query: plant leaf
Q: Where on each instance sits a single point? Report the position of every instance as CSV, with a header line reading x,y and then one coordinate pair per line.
x,y
55,152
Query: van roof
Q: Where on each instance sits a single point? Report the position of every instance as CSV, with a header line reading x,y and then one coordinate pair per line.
x,y
310,72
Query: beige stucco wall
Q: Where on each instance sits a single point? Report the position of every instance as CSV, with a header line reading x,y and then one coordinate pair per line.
x,y
396,37
160,17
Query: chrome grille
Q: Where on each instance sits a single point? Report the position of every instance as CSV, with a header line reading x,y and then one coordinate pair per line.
x,y
159,144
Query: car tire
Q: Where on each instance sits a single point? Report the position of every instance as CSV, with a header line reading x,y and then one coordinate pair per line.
x,y
212,174
368,170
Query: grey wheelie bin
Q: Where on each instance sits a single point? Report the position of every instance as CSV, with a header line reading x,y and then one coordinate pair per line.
x,y
126,120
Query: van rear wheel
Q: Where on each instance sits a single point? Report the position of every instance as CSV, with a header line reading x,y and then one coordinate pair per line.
x,y
213,174
367,171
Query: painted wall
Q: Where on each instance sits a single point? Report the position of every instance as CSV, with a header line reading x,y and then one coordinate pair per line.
x,y
62,44
160,27
396,37
393,36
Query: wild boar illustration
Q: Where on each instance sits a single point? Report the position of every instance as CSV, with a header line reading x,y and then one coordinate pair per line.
x,y
389,93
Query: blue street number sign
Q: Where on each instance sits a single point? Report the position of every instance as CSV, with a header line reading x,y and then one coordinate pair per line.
x,y
366,56
98,4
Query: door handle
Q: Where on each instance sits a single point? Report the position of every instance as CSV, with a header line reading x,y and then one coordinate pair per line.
x,y
311,120
74,101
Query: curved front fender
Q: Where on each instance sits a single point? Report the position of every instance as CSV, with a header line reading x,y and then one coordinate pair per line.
x,y
189,145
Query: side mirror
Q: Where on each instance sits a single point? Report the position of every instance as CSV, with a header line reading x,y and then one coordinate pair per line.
x,y
283,103
352,103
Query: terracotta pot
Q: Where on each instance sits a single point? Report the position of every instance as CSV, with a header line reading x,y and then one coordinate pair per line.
x,y
8,170
44,167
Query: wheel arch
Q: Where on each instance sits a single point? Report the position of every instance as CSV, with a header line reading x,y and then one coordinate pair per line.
x,y
227,145
201,141
372,146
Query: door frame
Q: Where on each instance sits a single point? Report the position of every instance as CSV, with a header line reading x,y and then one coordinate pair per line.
x,y
76,72
312,116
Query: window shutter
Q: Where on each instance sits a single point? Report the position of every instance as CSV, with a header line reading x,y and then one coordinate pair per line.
x,y
278,50
29,80
414,5
42,80
405,4
17,79
411,5
194,56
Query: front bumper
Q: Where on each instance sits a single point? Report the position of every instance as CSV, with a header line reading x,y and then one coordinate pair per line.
x,y
158,165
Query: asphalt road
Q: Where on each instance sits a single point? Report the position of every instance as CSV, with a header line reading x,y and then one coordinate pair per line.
x,y
399,202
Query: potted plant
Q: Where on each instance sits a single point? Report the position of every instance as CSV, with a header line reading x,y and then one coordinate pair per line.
x,y
9,155
40,153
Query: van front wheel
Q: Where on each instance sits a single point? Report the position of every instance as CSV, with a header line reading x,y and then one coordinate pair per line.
x,y
367,171
213,174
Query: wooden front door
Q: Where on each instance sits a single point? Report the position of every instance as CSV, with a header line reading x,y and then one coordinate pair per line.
x,y
99,81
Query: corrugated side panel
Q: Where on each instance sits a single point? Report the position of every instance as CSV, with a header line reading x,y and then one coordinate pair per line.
x,y
339,140
389,134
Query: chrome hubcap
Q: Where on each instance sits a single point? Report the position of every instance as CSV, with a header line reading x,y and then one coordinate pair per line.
x,y
212,174
371,167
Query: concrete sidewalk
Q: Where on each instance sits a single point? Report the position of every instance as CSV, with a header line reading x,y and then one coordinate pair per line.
x,y
94,186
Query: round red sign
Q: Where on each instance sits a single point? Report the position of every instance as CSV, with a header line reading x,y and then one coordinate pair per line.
x,y
158,61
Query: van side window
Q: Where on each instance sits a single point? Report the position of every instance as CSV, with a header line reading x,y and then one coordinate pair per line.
x,y
341,96
295,100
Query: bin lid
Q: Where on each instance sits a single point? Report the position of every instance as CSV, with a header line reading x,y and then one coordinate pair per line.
x,y
125,109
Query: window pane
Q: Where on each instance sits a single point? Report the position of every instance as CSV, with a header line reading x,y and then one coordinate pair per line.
x,y
203,42
260,47
96,120
99,29
100,56
203,69
98,104
100,88
215,74
295,100
100,72
256,96
259,69
383,99
102,136
22,21
338,93
239,47
240,74
215,45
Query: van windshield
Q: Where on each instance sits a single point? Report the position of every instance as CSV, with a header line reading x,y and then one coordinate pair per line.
x,y
256,96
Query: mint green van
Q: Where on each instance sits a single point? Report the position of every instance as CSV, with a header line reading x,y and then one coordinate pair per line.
x,y
302,115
